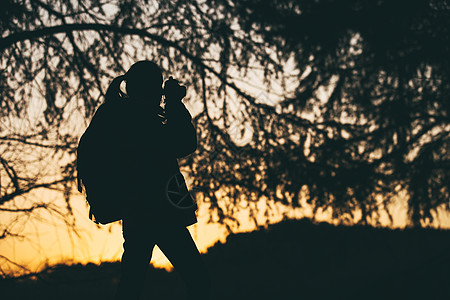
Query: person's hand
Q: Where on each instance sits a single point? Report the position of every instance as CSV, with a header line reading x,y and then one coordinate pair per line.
x,y
114,88
173,90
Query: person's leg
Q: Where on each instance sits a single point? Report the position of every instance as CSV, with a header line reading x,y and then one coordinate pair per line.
x,y
179,247
138,246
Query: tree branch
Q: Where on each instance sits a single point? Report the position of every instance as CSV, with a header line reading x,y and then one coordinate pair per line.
x,y
24,140
26,210
23,191
68,28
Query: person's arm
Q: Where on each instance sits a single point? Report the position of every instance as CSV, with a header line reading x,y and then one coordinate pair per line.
x,y
182,136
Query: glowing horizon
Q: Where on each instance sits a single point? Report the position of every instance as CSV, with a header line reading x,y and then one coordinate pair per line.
x,y
49,242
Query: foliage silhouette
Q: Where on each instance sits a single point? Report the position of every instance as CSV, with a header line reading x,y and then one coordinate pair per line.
x,y
361,120
384,126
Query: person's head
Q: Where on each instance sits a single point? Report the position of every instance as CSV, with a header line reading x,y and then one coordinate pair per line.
x,y
144,81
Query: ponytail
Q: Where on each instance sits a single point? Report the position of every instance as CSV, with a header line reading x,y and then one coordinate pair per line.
x,y
114,93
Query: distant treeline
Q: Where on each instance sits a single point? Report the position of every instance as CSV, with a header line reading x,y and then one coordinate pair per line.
x,y
296,259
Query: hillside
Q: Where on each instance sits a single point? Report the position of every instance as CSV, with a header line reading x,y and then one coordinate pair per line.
x,y
296,259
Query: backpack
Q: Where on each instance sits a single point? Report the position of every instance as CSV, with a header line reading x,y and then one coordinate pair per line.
x,y
97,169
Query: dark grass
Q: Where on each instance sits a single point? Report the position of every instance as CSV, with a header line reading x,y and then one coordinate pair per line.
x,y
288,260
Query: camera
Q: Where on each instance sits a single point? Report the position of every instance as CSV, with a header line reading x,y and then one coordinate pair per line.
x,y
173,91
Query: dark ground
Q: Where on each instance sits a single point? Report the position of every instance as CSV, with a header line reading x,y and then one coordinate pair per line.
x,y
288,260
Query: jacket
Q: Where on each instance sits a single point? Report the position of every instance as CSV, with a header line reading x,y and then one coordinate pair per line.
x,y
150,142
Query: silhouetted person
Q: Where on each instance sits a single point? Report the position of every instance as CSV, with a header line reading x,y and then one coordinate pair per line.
x,y
150,139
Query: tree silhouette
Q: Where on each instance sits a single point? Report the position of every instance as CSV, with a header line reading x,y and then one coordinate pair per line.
x,y
370,116
57,59
361,114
